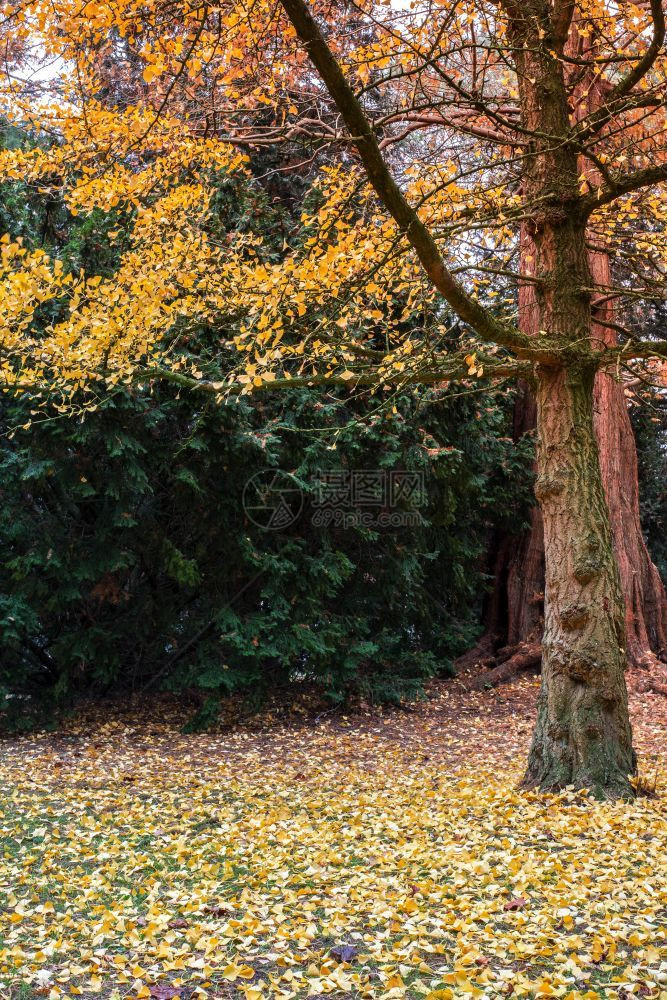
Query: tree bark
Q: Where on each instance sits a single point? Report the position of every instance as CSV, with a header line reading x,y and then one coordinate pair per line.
x,y
583,735
643,590
513,614
514,610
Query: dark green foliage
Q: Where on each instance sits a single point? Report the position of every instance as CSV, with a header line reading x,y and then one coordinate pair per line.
x,y
129,564
649,421
128,559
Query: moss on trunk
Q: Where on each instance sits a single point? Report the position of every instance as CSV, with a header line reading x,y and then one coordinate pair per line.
x,y
583,735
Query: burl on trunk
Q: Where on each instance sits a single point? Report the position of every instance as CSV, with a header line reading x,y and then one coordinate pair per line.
x,y
583,735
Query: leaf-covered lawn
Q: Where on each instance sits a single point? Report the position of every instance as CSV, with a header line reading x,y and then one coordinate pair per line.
x,y
366,857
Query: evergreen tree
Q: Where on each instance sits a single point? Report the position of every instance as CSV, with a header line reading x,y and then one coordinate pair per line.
x,y
129,563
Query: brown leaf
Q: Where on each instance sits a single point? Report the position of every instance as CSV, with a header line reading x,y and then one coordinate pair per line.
x,y
517,903
165,991
218,911
344,952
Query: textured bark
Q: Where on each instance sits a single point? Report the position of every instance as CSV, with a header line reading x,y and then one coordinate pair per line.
x,y
514,612
583,734
643,590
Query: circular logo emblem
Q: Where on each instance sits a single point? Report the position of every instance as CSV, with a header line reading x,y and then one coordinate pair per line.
x,y
272,499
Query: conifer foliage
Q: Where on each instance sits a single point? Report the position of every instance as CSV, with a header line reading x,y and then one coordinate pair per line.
x,y
129,565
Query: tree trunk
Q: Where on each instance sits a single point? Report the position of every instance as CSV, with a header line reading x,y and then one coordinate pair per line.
x,y
513,613
643,590
583,735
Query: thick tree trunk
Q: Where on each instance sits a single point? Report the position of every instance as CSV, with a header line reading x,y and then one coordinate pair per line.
x,y
514,611
643,590
513,614
583,734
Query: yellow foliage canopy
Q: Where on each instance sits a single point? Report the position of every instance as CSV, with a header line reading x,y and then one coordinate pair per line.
x,y
153,104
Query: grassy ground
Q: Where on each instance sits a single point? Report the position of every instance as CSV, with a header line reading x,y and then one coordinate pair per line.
x,y
382,855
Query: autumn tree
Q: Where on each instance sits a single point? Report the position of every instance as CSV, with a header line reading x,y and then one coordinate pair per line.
x,y
410,205
128,564
513,617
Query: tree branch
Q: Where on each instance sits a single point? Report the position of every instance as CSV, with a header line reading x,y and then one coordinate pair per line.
x,y
388,191
457,370
624,185
614,103
595,122
626,84
636,349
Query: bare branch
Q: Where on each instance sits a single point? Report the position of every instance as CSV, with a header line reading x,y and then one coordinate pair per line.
x,y
626,84
624,185
391,196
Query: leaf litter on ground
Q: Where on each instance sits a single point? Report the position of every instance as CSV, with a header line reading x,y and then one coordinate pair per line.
x,y
380,855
